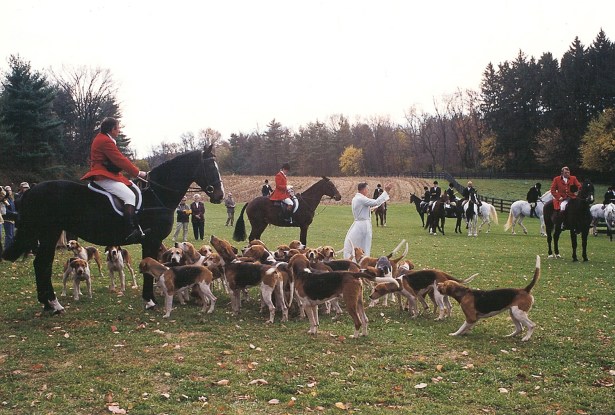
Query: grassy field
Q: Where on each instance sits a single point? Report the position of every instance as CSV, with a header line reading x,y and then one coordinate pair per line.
x,y
108,352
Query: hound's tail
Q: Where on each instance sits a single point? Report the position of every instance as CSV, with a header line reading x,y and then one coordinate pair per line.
x,y
470,278
509,221
536,275
240,227
397,249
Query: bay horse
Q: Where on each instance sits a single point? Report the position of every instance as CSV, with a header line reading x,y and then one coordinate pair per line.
x,y
56,205
437,216
262,212
417,202
576,218
381,214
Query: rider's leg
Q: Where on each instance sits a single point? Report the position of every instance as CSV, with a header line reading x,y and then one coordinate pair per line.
x,y
119,189
287,208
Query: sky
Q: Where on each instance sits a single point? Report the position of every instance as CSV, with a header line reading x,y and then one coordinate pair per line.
x,y
235,65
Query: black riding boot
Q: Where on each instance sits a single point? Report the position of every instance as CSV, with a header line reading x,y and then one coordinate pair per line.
x,y
133,230
289,213
533,212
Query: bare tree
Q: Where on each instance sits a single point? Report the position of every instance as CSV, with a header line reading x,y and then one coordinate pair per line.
x,y
88,96
209,136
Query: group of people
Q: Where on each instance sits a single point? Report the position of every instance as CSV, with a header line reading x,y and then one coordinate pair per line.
x,y
9,202
196,210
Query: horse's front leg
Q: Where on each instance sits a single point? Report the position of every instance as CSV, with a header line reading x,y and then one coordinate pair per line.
x,y
573,240
556,233
584,235
43,269
149,249
303,234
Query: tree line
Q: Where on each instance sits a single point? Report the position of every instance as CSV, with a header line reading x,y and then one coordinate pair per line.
x,y
527,116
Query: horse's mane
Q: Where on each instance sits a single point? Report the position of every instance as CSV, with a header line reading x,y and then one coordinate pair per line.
x,y
173,159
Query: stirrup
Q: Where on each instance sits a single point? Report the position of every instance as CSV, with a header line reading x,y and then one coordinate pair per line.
x,y
137,235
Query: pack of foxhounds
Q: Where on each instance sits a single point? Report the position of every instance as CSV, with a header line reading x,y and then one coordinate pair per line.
x,y
298,279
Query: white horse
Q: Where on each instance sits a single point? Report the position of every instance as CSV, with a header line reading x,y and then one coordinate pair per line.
x,y
607,214
487,214
521,208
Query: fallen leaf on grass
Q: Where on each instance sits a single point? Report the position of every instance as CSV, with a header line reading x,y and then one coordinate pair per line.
x,y
604,382
222,382
273,401
420,386
503,390
115,409
340,405
258,382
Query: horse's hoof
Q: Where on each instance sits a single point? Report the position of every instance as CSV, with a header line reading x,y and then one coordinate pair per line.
x,y
585,259
575,260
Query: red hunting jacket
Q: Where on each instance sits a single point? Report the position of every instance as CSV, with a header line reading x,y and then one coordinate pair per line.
x,y
561,190
104,148
281,190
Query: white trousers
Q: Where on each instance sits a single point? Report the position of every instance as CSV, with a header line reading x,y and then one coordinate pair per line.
x,y
118,189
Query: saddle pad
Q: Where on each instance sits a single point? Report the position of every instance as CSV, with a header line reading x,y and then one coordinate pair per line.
x,y
116,203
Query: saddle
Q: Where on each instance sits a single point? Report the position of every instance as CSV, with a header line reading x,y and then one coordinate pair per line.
x,y
116,203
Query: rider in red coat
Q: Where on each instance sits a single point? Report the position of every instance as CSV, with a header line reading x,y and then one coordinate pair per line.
x,y
560,188
282,193
106,162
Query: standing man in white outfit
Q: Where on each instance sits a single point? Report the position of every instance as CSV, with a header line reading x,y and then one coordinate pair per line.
x,y
360,232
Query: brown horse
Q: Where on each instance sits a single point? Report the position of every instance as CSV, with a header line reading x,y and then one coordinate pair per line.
x,y
262,212
381,214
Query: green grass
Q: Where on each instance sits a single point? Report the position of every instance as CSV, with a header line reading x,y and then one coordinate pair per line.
x,y
76,363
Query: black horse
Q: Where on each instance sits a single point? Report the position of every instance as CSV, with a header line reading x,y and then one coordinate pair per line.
x,y
417,202
455,211
262,212
437,216
576,218
53,206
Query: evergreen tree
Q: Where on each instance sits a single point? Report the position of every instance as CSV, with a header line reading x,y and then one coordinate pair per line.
x,y
33,129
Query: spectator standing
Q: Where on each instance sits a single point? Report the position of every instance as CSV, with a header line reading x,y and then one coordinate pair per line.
x,y
198,217
23,188
9,214
183,216
229,202
266,190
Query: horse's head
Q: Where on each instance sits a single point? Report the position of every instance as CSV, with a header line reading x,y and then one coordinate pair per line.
x,y
586,192
208,177
330,189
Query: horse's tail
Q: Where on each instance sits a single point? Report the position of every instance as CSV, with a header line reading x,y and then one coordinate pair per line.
x,y
493,214
19,247
240,227
536,275
509,221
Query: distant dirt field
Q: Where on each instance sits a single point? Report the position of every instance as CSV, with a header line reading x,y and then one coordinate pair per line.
x,y
245,188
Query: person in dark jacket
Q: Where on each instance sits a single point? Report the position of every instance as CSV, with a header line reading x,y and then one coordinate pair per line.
x,y
532,197
183,217
197,209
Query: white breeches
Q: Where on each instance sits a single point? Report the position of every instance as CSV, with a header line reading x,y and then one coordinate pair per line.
x,y
118,189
